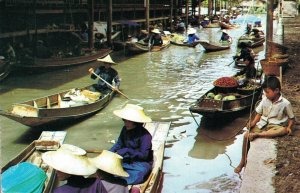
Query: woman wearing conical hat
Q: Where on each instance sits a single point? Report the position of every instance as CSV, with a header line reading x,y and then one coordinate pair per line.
x,y
81,173
134,143
107,73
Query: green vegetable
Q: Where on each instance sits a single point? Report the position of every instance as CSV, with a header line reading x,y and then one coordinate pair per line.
x,y
218,97
210,95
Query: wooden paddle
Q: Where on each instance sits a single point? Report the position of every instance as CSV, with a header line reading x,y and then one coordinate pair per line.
x,y
230,63
91,70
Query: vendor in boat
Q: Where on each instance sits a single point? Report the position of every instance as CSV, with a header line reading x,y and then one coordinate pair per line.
x,y
134,143
205,22
192,37
245,51
248,28
107,73
225,37
81,175
155,39
256,33
249,70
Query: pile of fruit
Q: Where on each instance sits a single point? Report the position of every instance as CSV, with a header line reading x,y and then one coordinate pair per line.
x,y
211,95
226,82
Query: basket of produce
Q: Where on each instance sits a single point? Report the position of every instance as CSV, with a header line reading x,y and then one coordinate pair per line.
x,y
249,88
271,66
226,84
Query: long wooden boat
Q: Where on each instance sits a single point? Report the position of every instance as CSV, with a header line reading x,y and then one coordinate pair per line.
x,y
252,42
159,132
140,47
211,25
50,63
63,106
212,47
224,25
33,154
212,108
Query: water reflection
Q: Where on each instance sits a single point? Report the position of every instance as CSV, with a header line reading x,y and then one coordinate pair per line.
x,y
213,136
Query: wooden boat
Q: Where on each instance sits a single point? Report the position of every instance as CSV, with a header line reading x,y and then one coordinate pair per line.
x,y
211,47
63,106
33,154
5,69
50,63
192,45
211,25
252,42
141,46
159,132
178,40
224,25
212,108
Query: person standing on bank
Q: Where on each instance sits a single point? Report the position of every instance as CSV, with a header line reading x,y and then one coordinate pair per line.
x,y
134,143
107,73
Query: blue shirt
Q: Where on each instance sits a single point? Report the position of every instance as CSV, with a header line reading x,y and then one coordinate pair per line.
x,y
192,38
134,145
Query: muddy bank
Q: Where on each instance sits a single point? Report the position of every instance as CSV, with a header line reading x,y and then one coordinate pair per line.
x,y
288,147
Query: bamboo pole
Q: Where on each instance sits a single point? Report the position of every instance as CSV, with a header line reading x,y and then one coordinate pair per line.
x,y
109,23
91,23
147,14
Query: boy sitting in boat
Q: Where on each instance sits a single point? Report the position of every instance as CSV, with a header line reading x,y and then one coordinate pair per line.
x,y
274,118
107,73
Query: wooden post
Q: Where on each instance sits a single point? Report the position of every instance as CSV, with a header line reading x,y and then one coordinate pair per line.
x,y
91,23
171,16
269,30
146,4
187,14
199,11
210,7
109,23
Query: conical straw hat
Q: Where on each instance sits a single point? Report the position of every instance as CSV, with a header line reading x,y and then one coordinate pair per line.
x,y
73,149
133,113
67,162
191,31
106,59
109,162
155,31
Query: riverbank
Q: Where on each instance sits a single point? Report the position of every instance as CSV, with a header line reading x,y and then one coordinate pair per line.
x,y
275,167
288,147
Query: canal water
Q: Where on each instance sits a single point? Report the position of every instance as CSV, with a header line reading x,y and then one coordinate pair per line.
x,y
200,153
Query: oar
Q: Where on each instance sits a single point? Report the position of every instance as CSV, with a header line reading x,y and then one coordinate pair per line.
x,y
230,63
111,86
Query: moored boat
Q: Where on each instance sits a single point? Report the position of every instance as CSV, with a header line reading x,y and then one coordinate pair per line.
x,y
63,106
228,103
141,46
57,62
211,47
224,25
251,41
159,132
211,25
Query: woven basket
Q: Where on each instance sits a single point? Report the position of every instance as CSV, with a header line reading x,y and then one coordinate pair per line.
x,y
271,66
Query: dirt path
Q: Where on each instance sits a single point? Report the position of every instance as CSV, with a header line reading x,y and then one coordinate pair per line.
x,y
288,156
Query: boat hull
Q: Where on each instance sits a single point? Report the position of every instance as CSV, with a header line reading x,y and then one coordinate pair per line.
x,y
33,116
217,108
209,47
53,63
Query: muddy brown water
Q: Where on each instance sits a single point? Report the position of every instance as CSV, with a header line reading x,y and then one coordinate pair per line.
x,y
197,158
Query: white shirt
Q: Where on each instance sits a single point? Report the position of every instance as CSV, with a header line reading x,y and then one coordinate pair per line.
x,y
276,113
